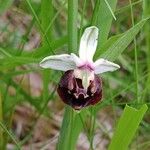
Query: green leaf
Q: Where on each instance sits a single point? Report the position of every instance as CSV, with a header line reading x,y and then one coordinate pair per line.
x,y
46,5
107,45
10,62
127,127
104,19
120,44
11,135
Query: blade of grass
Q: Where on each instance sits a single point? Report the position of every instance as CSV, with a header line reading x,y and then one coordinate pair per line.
x,y
135,56
126,128
46,5
122,9
1,119
10,62
95,12
82,18
54,18
40,26
109,7
104,20
3,51
146,13
10,134
120,44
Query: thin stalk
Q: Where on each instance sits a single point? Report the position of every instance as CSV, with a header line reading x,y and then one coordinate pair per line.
x,y
68,137
82,17
122,9
40,26
92,124
10,134
72,121
135,55
146,13
1,119
54,18
111,11
72,25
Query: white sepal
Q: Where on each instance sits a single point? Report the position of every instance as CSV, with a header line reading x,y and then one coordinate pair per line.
x,y
62,62
77,60
103,65
88,43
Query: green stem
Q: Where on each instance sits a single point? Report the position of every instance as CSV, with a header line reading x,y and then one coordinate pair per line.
x,y
10,135
135,55
146,13
69,130
82,18
72,25
1,119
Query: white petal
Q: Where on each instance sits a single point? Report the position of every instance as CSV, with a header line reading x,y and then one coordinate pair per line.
x,y
88,43
62,62
77,60
103,65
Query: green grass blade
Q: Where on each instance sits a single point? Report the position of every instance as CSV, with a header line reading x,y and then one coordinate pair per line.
x,y
10,134
111,11
46,5
1,119
104,19
118,47
146,30
95,12
127,127
39,24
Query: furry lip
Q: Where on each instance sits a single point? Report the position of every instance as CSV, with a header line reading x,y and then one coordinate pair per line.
x,y
72,92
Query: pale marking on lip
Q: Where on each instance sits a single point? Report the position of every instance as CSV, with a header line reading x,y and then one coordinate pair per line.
x,y
77,95
69,92
85,75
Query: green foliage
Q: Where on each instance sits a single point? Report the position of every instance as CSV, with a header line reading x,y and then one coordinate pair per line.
x,y
121,43
126,128
60,27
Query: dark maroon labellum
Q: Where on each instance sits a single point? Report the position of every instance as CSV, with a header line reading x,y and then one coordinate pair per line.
x,y
71,91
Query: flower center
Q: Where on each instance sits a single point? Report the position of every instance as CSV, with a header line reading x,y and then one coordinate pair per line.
x,y
86,74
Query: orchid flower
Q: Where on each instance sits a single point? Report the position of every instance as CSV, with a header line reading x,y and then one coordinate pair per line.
x,y
80,86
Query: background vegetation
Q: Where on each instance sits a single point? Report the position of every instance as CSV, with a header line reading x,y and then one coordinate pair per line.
x,y
32,116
